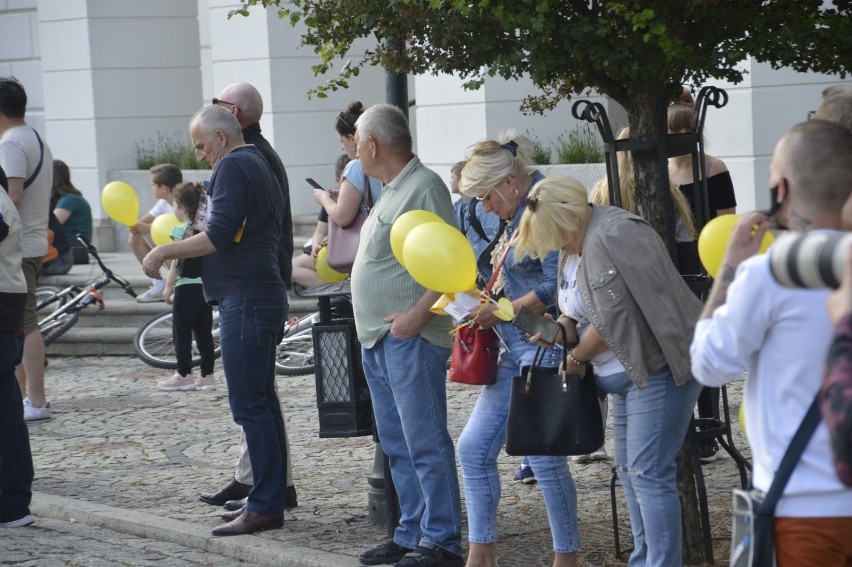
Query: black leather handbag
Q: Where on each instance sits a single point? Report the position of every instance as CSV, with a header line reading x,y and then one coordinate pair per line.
x,y
553,412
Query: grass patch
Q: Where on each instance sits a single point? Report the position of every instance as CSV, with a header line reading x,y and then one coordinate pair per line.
x,y
580,145
167,149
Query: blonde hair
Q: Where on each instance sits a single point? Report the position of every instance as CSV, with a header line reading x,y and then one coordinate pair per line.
x,y
627,180
490,161
561,207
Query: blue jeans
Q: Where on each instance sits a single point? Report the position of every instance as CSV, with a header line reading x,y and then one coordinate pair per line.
x,y
484,437
247,332
407,379
650,425
16,462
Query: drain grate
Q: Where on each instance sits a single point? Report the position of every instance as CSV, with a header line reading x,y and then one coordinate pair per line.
x,y
106,403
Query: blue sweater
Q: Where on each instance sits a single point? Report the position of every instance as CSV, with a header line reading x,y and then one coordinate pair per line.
x,y
244,225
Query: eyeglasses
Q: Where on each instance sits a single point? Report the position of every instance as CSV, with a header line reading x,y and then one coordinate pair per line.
x,y
812,114
486,199
532,203
217,102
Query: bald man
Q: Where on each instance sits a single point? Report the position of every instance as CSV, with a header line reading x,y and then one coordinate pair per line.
x,y
245,103
781,336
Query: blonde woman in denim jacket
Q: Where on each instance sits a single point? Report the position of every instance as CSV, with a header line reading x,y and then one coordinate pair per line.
x,y
499,174
636,317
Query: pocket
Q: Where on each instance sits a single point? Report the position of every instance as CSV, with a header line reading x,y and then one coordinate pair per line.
x,y
607,285
378,239
267,319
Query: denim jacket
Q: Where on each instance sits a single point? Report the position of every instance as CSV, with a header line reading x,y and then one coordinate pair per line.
x,y
482,247
528,274
635,297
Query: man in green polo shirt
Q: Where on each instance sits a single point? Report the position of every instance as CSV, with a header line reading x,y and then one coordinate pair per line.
x,y
404,351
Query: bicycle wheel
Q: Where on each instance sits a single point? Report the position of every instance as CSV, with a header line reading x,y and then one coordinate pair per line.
x,y
295,355
55,328
43,294
154,344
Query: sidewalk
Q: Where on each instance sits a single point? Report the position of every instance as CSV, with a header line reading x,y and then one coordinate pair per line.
x,y
120,454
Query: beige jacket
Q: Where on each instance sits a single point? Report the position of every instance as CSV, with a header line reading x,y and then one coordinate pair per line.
x,y
635,297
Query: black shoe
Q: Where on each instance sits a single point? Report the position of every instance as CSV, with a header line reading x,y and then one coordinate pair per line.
x,y
423,556
384,554
707,449
290,500
231,491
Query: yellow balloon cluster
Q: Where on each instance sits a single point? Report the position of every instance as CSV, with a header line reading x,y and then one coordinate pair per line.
x,y
714,238
437,255
120,202
161,228
326,272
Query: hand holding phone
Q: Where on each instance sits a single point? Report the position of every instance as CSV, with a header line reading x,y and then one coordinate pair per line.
x,y
531,322
314,184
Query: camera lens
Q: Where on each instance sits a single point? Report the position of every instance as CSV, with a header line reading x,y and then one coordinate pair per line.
x,y
812,260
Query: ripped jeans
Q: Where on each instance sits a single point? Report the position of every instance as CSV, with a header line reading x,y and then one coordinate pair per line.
x,y
650,425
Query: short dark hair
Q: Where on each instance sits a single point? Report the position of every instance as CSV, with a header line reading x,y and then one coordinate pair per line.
x,y
167,174
13,97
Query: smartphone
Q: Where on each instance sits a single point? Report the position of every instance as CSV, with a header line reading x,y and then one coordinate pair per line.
x,y
314,184
531,322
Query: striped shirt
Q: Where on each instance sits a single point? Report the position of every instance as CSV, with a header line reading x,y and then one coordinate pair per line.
x,y
380,284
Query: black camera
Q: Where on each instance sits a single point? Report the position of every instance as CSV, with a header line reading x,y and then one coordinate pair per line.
x,y
811,260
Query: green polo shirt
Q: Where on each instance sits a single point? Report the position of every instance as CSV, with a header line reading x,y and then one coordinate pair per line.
x,y
380,284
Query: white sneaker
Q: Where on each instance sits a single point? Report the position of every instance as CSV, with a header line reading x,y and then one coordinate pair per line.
x,y
599,455
19,523
177,383
205,382
153,295
32,413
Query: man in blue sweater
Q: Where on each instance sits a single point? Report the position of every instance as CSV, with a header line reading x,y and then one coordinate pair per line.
x,y
239,242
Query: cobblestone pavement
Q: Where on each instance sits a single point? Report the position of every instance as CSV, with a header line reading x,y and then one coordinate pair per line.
x,y
122,455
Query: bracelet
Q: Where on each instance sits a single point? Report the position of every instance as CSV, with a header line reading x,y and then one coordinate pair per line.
x,y
577,362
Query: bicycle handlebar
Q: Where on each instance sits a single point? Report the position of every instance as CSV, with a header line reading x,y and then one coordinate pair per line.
x,y
93,252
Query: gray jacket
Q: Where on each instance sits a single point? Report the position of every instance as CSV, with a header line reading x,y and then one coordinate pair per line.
x,y
635,297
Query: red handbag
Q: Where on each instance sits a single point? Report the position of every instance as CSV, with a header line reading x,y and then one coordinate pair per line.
x,y
476,350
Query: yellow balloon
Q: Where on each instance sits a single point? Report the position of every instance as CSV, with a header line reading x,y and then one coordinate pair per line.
x,y
403,225
506,311
439,257
120,202
714,238
161,228
324,271
742,417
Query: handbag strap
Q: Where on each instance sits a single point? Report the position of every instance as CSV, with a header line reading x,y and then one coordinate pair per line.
x,y
791,459
368,194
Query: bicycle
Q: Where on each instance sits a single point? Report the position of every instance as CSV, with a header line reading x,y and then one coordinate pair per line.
x,y
154,344
74,298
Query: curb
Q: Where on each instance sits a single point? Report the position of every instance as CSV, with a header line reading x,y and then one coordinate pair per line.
x,y
249,548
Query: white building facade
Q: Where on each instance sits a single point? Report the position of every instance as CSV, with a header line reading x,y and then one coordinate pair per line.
x,y
104,76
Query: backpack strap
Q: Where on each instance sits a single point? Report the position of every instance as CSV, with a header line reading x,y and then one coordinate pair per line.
x,y
31,178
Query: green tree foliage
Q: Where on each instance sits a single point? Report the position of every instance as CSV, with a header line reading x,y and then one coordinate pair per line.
x,y
637,53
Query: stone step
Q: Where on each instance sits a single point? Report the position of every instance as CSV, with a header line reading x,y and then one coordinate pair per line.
x,y
110,332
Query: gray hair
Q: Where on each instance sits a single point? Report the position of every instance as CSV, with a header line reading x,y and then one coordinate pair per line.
x,y
837,105
387,125
213,117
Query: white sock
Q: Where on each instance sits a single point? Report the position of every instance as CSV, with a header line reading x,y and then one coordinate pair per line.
x,y
158,284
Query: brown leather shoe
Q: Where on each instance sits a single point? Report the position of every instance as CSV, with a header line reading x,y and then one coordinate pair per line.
x,y
233,515
249,523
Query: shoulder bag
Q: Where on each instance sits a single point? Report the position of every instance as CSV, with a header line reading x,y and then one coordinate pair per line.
x,y
343,240
753,530
476,350
552,412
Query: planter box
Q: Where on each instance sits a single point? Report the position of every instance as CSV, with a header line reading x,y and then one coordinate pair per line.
x,y
111,236
587,173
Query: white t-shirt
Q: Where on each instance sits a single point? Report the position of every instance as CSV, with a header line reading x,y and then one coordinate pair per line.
x,y
19,156
571,305
11,277
161,207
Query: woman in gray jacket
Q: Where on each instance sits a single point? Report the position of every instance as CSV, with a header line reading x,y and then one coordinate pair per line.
x,y
635,317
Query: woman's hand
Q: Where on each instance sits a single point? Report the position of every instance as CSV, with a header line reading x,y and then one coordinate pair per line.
x,y
485,316
167,293
140,228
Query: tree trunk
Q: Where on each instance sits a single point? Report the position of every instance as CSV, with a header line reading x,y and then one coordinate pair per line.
x,y
647,116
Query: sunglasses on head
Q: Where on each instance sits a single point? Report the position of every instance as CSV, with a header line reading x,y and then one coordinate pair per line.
x,y
532,203
217,102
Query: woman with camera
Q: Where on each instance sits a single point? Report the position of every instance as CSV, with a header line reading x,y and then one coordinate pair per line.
x,y
635,316
499,174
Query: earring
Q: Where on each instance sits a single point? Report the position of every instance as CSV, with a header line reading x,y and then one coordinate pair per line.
x,y
515,192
